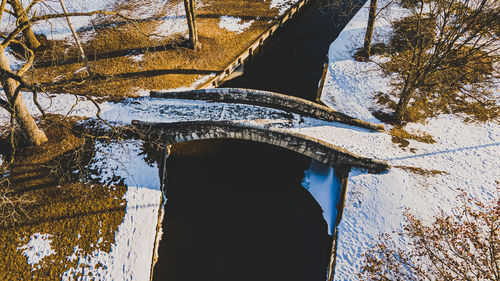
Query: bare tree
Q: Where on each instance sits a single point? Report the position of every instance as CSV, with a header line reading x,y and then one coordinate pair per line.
x,y
13,81
365,53
77,39
464,246
22,17
14,103
191,21
447,49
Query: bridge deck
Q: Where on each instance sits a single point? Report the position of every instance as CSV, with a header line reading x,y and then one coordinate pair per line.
x,y
272,100
159,110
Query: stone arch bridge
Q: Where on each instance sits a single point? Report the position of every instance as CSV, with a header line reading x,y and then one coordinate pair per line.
x,y
265,132
316,149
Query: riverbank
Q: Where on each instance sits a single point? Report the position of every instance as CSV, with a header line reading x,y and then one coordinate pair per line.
x,y
147,51
426,178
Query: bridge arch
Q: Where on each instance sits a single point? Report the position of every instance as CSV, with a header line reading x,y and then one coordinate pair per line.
x,y
316,149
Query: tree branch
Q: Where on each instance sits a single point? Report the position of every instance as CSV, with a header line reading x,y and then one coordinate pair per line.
x,y
62,15
5,105
2,8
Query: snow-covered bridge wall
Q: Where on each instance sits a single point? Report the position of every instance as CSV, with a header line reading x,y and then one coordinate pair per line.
x,y
314,148
272,100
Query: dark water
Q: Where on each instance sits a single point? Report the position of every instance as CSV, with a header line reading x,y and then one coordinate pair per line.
x,y
236,210
292,62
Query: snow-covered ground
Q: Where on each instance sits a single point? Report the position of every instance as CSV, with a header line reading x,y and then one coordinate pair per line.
x,y
171,16
57,28
131,254
374,203
468,153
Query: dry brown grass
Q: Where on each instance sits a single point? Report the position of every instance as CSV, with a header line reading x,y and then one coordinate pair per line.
x,y
74,213
401,137
400,132
422,171
166,63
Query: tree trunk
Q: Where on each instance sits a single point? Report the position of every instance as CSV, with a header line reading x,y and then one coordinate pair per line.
x,y
366,51
191,21
404,100
31,40
77,39
23,117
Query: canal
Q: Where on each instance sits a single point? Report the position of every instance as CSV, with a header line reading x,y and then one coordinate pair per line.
x,y
292,61
238,210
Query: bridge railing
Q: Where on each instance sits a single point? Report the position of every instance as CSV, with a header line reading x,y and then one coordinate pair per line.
x,y
239,60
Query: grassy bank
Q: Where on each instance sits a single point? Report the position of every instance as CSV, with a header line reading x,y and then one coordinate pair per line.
x,y
55,201
128,57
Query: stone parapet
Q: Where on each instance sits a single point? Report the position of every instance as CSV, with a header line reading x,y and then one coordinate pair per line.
x,y
271,100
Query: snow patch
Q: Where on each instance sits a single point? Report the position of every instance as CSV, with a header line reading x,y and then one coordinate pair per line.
x,y
136,58
58,104
37,248
131,254
234,24
174,22
58,28
140,92
170,27
282,5
201,80
322,182
124,161
171,17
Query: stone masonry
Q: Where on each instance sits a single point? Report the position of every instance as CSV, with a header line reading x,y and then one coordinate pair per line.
x,y
271,100
314,148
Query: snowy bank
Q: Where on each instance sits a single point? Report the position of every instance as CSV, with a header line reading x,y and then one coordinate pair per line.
x,y
468,154
131,254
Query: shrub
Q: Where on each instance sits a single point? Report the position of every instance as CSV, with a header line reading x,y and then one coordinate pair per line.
x,y
406,34
444,58
464,246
